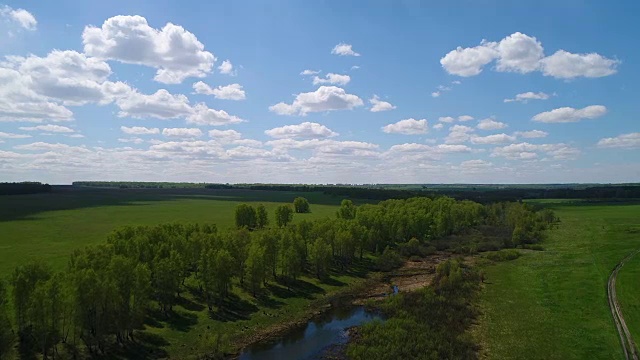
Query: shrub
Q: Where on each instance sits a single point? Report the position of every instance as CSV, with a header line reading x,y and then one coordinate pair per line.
x,y
389,260
503,255
537,247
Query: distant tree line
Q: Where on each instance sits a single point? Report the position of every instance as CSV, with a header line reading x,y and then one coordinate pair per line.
x,y
150,185
21,188
108,290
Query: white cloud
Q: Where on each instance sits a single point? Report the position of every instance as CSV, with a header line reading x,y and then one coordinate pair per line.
x,y
20,16
309,72
527,151
435,94
173,51
134,140
475,164
161,105
447,148
37,146
379,105
331,78
227,68
343,49
531,134
4,135
438,126
493,139
229,92
182,132
355,67
446,119
202,115
627,141
465,118
225,136
566,65
49,128
326,98
524,97
523,54
407,127
469,61
458,134
305,130
519,53
569,114
490,124
139,130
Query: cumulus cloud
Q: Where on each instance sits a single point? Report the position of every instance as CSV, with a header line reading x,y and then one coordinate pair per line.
x,y
139,130
493,139
343,49
326,98
626,141
438,126
531,134
407,127
435,94
305,130
203,115
446,119
465,118
21,17
174,52
182,132
523,54
458,134
379,105
331,78
475,164
225,136
524,97
48,128
569,114
565,65
527,151
227,68
229,92
490,124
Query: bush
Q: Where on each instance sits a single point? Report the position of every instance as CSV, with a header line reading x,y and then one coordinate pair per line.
x,y
389,260
537,247
503,255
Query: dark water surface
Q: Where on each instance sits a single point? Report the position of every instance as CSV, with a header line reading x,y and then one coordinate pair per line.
x,y
308,342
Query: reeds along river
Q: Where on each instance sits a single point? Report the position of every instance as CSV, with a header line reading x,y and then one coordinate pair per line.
x,y
310,341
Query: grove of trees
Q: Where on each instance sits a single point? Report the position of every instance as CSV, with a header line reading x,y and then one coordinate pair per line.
x,y
108,290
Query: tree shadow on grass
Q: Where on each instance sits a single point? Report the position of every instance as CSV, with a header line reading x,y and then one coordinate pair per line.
x,y
267,301
288,288
190,305
233,308
176,319
332,281
144,346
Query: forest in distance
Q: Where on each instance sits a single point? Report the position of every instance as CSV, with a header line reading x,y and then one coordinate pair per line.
x,y
109,292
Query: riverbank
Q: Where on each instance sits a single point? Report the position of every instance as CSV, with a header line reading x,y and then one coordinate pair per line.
x,y
413,275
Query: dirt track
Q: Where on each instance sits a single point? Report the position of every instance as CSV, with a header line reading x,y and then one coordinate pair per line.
x,y
628,346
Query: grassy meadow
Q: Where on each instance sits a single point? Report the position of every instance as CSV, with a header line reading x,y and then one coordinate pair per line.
x,y
49,226
552,304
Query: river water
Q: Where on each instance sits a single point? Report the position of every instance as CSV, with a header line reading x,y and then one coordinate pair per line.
x,y
310,341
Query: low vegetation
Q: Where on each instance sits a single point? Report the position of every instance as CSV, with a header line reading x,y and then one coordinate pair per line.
x,y
430,323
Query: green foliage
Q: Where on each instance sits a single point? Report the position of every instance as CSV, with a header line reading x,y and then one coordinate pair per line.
x,y
6,332
301,205
262,217
284,215
320,256
427,324
389,260
347,210
503,255
246,216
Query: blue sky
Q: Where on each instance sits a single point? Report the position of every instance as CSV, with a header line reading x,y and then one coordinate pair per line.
x,y
395,92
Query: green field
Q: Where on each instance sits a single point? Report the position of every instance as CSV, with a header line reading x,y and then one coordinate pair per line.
x,y
50,226
628,290
552,304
